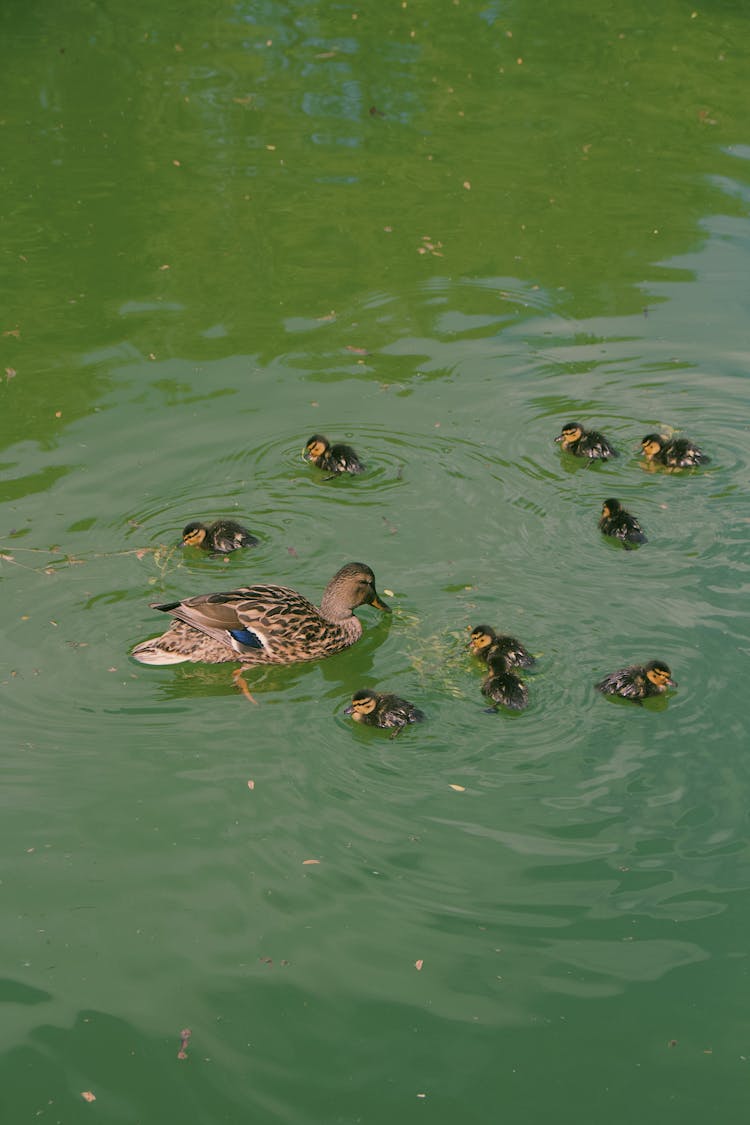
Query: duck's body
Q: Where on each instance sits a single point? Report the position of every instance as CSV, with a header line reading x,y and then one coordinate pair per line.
x,y
618,523
505,688
675,453
263,624
380,709
639,681
219,537
333,459
494,647
585,443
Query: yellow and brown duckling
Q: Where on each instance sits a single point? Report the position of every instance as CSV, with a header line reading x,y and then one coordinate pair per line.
x,y
585,443
381,709
264,624
489,646
333,459
618,523
675,453
639,681
503,686
219,537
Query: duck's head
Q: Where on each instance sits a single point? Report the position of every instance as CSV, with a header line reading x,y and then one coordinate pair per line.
x,y
351,586
660,674
480,639
316,447
363,703
194,534
571,431
611,508
652,445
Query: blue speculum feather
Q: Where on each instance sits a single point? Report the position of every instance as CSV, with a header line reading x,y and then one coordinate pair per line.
x,y
246,637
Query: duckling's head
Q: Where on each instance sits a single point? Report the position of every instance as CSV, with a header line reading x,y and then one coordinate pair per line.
x,y
351,586
363,703
652,445
571,431
316,447
194,534
480,639
660,674
611,508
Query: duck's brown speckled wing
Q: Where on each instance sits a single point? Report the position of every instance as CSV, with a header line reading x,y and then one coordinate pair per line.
x,y
261,624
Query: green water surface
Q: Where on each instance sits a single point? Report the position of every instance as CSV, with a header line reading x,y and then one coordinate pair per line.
x,y
437,230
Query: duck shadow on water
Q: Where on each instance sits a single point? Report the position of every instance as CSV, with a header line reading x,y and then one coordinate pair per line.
x,y
654,703
188,681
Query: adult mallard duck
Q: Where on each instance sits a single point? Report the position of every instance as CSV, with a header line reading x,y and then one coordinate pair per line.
x,y
333,459
639,681
585,443
675,453
615,521
219,537
489,646
380,709
263,624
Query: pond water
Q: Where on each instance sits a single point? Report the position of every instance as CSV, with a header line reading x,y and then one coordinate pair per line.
x,y
438,232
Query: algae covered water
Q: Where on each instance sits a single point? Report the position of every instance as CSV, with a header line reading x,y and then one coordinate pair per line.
x,y
437,233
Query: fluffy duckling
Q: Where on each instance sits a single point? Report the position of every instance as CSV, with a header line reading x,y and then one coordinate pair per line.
x,y
220,537
333,459
490,646
675,453
503,687
585,443
639,681
380,709
615,521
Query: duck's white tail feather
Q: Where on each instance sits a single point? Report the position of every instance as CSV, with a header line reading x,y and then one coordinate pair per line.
x,y
148,652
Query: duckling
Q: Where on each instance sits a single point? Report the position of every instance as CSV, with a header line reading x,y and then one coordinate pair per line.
x,y
380,709
585,443
675,453
488,645
220,537
503,686
639,681
333,459
615,521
